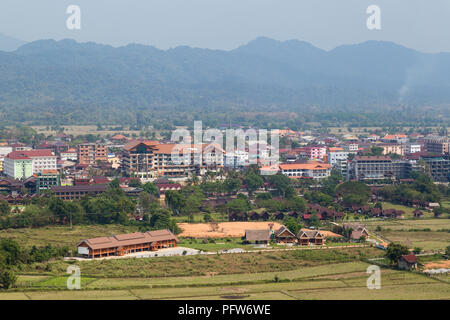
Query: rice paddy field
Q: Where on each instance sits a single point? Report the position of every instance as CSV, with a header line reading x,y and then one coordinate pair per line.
x,y
331,281
429,234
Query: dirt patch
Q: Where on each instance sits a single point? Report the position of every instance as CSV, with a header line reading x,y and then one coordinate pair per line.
x,y
223,230
231,229
438,265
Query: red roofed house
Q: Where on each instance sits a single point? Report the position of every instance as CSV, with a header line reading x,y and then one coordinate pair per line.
x,y
407,261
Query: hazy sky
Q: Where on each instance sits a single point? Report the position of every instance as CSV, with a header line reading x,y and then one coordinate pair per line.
x,y
226,24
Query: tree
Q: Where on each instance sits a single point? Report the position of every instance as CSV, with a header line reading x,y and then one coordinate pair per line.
x,y
8,278
135,183
395,251
282,184
115,183
354,192
314,221
231,185
292,225
447,251
253,182
5,208
151,188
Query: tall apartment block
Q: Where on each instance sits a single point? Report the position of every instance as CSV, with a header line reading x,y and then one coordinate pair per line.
x,y
438,145
90,153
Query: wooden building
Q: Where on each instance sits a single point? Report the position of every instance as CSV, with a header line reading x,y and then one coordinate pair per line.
x,y
284,235
257,236
306,237
119,245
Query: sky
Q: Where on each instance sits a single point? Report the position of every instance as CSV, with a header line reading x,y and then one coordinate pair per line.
x,y
226,24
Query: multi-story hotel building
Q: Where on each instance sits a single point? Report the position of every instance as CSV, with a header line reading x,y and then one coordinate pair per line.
x,y
378,168
149,159
438,145
90,153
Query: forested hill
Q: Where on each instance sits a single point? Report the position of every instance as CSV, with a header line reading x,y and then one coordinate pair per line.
x,y
68,82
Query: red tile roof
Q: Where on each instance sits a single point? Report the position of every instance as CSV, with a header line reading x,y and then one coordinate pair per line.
x,y
410,258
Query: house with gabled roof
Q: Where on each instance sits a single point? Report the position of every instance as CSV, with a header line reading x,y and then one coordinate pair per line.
x,y
284,235
306,237
407,262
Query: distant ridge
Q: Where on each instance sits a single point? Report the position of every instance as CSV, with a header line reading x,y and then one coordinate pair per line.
x,y
80,81
9,43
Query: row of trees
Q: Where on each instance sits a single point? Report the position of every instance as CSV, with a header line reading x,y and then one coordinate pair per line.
x,y
12,256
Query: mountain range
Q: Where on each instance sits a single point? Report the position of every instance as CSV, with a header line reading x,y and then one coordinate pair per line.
x,y
88,82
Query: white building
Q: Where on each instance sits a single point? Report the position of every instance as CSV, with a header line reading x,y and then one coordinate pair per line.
x,y
42,159
315,170
236,159
70,155
413,148
336,155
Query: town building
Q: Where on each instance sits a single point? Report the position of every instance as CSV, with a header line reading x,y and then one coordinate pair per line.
x,y
378,168
4,150
149,159
413,148
315,152
439,167
122,244
69,155
18,166
91,153
47,179
314,170
439,145
76,192
392,148
336,154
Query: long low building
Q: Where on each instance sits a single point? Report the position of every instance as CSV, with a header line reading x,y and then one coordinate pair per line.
x,y
78,191
121,244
